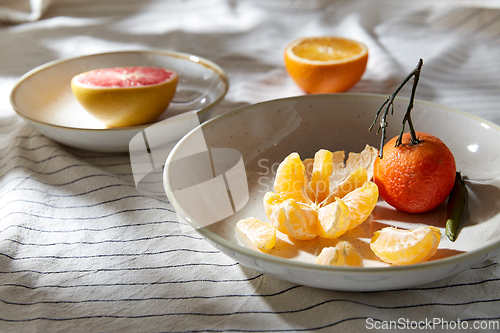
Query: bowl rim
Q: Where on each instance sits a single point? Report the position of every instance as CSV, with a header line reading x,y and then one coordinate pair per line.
x,y
429,265
168,53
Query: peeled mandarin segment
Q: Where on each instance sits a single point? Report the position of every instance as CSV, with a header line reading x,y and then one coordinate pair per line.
x,y
343,254
271,199
291,181
365,159
355,180
361,203
320,178
404,247
295,220
262,234
339,172
333,219
349,255
327,255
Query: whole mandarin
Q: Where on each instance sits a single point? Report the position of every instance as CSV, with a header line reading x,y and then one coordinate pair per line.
x,y
415,178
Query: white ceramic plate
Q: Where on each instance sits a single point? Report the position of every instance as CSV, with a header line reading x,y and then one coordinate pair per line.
x,y
266,133
44,99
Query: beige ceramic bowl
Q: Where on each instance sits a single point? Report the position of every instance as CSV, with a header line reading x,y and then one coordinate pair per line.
x,y
43,96
264,134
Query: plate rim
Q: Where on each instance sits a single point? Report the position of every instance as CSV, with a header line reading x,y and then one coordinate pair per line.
x,y
458,259
201,60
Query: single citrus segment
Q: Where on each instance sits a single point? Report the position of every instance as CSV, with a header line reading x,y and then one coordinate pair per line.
x,y
365,159
415,178
262,234
125,96
356,179
295,219
342,254
334,219
271,200
404,247
325,64
361,203
291,181
320,177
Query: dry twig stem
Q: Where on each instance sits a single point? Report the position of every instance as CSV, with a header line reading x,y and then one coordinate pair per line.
x,y
389,106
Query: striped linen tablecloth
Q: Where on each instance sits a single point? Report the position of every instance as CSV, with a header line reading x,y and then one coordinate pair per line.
x,y
82,250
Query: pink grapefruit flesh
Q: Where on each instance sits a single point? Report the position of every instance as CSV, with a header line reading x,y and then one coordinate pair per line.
x,y
125,96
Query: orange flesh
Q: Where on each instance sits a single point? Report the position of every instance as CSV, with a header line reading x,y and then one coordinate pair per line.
x,y
327,49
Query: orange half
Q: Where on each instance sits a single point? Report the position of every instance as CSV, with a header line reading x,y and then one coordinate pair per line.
x,y
325,64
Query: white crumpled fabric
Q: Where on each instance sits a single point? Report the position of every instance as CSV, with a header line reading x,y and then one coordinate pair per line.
x,y
81,250
23,11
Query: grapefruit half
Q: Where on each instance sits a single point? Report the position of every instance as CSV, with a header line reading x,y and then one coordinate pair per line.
x,y
125,96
